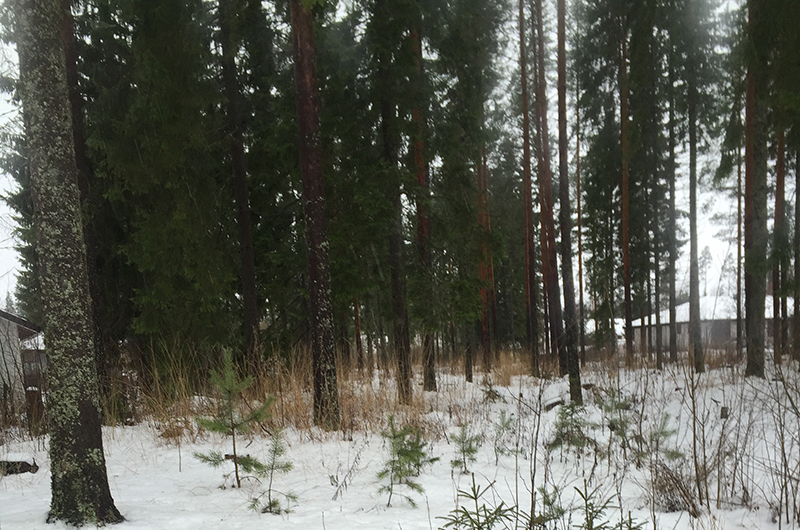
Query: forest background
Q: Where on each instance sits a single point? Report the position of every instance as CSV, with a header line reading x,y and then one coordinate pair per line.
x,y
421,111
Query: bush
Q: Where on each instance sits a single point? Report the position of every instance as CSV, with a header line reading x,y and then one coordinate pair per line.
x,y
230,422
407,457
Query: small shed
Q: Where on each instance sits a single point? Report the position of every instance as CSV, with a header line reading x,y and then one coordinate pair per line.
x,y
22,361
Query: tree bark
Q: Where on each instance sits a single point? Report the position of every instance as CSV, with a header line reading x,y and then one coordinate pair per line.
x,y
695,341
565,219
360,363
657,271
779,244
326,392
546,200
796,322
755,206
483,264
626,257
672,230
390,140
531,320
423,220
581,317
80,491
739,343
102,353
247,266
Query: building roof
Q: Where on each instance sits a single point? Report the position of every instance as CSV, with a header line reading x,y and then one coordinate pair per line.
x,y
714,308
25,327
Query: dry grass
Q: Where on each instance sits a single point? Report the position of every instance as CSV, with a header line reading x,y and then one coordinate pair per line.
x,y
170,396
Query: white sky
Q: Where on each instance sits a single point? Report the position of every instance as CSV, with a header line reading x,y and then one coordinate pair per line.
x,y
9,262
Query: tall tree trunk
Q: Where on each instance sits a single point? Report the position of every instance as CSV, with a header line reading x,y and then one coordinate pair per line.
x,y
695,341
344,344
326,392
390,137
360,363
103,348
546,200
80,491
581,318
483,265
531,320
755,209
649,303
796,321
399,315
779,244
739,344
626,254
672,233
247,266
495,335
469,354
657,270
565,219
423,221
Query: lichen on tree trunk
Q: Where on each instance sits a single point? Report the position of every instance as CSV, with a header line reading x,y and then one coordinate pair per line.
x,y
80,491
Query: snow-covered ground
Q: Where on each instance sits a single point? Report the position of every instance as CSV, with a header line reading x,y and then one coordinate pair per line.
x,y
158,484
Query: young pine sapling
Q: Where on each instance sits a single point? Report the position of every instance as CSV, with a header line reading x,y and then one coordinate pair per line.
x,y
273,465
407,456
466,448
476,514
230,422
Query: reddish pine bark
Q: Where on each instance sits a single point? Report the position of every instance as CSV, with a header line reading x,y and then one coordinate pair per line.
x,y
546,199
565,219
531,319
326,393
423,220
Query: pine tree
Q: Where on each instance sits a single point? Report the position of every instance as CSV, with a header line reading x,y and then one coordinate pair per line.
x,y
546,200
565,218
326,393
755,195
230,422
531,318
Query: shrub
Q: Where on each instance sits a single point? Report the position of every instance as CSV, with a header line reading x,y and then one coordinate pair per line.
x,y
407,457
466,448
230,422
478,515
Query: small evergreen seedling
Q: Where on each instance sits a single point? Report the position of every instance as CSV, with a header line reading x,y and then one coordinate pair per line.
x,y
503,427
229,422
407,457
594,508
570,429
476,515
466,448
273,465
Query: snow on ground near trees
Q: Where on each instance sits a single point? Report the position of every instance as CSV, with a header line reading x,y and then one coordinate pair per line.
x,y
159,485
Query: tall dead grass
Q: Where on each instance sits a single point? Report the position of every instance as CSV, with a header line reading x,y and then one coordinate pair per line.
x,y
169,394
